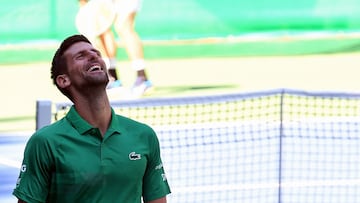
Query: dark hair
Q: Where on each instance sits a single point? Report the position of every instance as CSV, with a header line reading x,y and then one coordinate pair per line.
x,y
58,65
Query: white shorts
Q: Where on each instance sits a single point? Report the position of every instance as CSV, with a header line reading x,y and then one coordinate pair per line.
x,y
123,8
95,17
98,15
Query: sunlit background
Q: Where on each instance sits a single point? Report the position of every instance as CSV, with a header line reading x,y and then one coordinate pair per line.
x,y
270,86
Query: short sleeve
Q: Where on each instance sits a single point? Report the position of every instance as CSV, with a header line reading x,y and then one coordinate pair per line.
x,y
35,173
155,184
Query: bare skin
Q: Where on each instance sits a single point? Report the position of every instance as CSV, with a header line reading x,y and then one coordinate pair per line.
x,y
132,42
88,88
86,81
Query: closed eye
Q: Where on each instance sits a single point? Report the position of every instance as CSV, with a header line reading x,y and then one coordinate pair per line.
x,y
97,52
79,56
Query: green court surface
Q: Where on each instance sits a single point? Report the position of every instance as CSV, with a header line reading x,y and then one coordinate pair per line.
x,y
283,46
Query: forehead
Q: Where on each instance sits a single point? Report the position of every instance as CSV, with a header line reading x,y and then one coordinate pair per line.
x,y
78,47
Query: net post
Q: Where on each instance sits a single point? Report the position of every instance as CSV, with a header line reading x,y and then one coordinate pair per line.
x,y
43,113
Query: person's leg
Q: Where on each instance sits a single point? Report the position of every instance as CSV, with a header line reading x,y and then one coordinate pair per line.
x,y
108,42
133,45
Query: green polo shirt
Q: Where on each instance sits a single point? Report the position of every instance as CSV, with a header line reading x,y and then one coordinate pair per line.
x,y
69,161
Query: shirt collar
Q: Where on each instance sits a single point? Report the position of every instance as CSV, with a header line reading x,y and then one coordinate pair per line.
x,y
82,126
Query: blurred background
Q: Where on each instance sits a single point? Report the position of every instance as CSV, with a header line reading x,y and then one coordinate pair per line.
x,y
45,22
213,49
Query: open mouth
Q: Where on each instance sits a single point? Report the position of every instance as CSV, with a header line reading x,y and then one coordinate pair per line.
x,y
95,68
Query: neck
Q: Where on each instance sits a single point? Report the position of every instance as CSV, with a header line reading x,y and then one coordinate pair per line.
x,y
95,109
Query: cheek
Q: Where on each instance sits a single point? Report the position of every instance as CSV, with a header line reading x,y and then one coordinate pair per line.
x,y
76,69
75,75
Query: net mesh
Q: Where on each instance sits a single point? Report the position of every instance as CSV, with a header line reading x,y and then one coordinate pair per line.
x,y
272,146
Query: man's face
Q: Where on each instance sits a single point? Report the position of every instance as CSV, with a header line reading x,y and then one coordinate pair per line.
x,y
85,66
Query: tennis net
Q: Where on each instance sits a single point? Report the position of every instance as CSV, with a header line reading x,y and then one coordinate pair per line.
x,y
283,145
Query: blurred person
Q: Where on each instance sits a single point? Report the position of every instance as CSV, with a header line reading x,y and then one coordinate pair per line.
x,y
92,154
126,11
103,38
124,23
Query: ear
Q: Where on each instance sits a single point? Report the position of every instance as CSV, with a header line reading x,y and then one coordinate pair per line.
x,y
63,81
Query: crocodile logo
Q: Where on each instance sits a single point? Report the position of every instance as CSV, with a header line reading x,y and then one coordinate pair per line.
x,y
133,156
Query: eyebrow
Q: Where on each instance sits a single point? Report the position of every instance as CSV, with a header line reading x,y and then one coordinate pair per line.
x,y
83,51
97,51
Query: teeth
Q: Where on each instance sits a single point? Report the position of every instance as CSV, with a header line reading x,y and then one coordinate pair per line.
x,y
94,68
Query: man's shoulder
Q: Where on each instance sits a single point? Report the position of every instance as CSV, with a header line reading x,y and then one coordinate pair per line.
x,y
54,128
57,125
131,123
128,120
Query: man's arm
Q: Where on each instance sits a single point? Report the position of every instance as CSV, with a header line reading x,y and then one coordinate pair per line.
x,y
161,200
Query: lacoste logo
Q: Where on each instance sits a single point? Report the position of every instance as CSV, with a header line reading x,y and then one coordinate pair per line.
x,y
18,182
163,177
23,168
158,167
133,156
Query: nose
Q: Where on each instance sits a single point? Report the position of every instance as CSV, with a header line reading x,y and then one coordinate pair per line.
x,y
93,55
